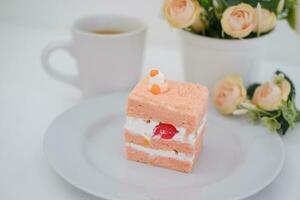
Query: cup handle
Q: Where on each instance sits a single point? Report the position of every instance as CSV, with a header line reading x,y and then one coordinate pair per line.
x,y
66,78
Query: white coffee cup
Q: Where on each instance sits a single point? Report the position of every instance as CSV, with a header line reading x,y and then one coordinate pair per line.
x,y
105,62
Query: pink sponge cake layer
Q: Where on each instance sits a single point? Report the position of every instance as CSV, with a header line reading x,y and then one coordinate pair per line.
x,y
182,105
170,163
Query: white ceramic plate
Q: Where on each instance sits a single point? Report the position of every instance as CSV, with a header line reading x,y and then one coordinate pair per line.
x,y
85,146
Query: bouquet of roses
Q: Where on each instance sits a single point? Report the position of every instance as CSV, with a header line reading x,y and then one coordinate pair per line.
x,y
229,18
272,102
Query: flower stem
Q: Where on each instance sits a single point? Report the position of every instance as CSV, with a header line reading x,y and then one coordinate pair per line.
x,y
298,117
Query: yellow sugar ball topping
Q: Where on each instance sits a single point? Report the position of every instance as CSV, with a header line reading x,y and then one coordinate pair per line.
x,y
153,72
155,89
146,142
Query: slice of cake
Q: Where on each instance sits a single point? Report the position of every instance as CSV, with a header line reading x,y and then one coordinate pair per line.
x,y
165,122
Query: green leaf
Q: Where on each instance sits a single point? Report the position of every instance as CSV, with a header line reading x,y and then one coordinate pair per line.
x,y
289,112
260,112
291,9
271,123
214,28
205,4
219,7
251,89
267,4
284,125
298,116
278,78
254,117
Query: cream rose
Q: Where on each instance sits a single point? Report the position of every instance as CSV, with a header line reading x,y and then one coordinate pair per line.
x,y
269,96
228,94
266,20
181,13
239,21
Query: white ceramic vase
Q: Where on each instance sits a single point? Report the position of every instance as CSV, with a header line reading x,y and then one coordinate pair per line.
x,y
207,60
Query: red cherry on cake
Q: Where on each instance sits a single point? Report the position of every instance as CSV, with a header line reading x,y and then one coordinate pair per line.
x,y
166,131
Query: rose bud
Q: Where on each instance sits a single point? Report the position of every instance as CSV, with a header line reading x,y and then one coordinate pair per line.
x,y
239,21
285,88
280,6
198,25
228,94
266,20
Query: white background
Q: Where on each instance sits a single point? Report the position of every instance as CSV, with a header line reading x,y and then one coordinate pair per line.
x,y
30,100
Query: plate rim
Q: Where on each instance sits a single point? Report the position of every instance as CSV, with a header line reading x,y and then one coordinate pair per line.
x,y
271,179
105,195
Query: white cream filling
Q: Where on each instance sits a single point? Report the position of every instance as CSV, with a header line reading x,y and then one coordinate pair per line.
x,y
141,127
162,153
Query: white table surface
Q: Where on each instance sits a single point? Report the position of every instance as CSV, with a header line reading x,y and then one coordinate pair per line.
x,y
30,100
